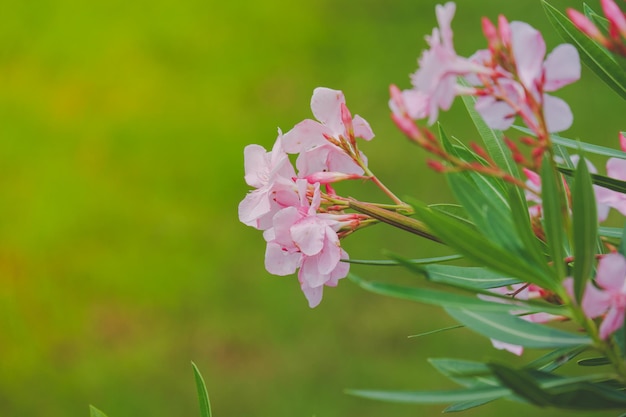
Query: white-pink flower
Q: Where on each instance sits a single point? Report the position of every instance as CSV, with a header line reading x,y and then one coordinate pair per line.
x,y
271,174
302,238
615,168
608,295
309,137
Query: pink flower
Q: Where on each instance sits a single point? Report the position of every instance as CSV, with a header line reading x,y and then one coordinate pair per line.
x,y
271,174
609,296
309,138
434,83
302,238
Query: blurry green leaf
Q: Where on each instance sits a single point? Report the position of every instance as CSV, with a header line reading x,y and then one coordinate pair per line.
x,y
468,277
585,228
434,397
547,389
94,412
392,262
470,374
435,297
594,361
555,359
553,200
613,232
578,145
593,55
467,241
453,210
601,180
516,331
466,405
203,395
477,280
597,19
443,329
493,139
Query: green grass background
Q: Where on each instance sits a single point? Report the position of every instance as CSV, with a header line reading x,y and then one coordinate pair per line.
x,y
122,128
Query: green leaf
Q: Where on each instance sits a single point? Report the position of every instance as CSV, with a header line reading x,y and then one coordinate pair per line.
x,y
554,208
467,241
585,227
467,277
578,145
593,55
439,298
594,361
492,138
612,232
595,17
94,412
547,389
470,374
601,180
392,262
453,210
203,395
466,405
434,397
555,359
514,330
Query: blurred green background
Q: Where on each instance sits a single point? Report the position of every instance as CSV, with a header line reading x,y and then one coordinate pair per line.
x,y
122,128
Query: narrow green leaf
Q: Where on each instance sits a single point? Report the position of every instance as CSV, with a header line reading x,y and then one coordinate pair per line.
x,y
466,405
443,329
587,392
392,262
599,21
470,374
468,242
438,298
94,412
453,210
203,395
555,359
467,277
585,227
492,138
522,384
578,145
433,397
601,180
594,361
593,55
552,197
514,330
612,232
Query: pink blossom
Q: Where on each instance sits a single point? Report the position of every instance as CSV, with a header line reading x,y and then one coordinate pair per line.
x,y
434,83
615,168
608,295
616,18
302,238
271,174
310,138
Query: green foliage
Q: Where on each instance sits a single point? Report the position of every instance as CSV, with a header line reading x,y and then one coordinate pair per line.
x,y
203,395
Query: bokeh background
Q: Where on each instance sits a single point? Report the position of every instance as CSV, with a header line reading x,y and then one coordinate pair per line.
x,y
122,128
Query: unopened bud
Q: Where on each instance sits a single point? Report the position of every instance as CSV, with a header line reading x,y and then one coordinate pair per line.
x,y
325,177
622,140
504,30
586,26
436,165
617,19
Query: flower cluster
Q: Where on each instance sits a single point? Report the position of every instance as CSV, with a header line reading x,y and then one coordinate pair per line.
x,y
301,215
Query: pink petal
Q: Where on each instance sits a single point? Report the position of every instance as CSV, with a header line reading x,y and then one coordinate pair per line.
x,y
305,135
254,205
616,168
562,67
255,165
558,115
611,272
529,49
514,349
279,261
497,114
313,295
326,107
308,236
445,14
595,302
612,322
362,129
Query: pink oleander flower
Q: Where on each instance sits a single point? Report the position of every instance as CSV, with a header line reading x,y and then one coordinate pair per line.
x,y
434,83
312,139
615,168
302,238
607,296
270,173
536,76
